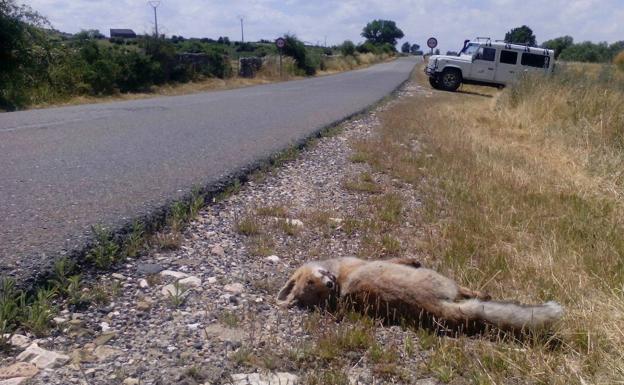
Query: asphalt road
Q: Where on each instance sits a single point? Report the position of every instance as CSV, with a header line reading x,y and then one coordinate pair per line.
x,y
64,169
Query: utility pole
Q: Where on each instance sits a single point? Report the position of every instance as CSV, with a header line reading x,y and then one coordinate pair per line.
x,y
154,4
242,29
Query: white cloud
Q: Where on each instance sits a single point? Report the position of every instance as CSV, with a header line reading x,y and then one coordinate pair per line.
x,y
450,21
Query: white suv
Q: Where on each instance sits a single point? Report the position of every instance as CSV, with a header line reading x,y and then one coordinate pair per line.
x,y
487,62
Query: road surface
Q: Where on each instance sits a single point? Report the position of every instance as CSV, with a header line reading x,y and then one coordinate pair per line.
x,y
65,169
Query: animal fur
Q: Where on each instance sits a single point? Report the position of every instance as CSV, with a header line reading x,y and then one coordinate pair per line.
x,y
402,289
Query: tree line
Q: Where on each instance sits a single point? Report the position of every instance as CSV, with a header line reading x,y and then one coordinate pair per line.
x,y
566,49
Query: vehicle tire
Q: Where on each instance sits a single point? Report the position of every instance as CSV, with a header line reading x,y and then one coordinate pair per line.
x,y
450,80
435,82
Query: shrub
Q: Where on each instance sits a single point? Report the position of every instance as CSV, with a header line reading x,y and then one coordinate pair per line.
x,y
297,50
347,48
619,61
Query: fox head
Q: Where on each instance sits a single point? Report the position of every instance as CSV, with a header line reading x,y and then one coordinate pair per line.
x,y
309,286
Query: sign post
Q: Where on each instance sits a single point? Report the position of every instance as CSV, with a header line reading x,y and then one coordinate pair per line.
x,y
432,43
280,43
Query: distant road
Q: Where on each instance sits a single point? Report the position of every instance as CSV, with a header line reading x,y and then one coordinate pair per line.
x,y
64,169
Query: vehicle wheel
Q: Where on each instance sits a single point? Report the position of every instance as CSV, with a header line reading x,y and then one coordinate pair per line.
x,y
450,80
435,82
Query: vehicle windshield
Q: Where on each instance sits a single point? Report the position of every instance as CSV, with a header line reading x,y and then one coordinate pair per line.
x,y
470,49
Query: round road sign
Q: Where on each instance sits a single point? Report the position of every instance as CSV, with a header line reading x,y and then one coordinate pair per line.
x,y
280,43
432,42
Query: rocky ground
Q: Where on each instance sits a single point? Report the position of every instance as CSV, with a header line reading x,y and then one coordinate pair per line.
x,y
205,313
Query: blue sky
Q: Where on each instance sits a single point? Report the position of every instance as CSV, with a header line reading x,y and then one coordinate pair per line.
x,y
313,21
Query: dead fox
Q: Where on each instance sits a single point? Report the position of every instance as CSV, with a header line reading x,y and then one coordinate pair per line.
x,y
404,290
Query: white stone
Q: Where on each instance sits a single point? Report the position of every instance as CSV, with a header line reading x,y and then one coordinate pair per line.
x,y
170,291
118,276
217,250
143,284
262,379
234,288
191,281
294,222
273,258
212,280
174,274
42,358
105,326
336,221
18,370
105,352
193,326
18,340
59,320
13,381
131,381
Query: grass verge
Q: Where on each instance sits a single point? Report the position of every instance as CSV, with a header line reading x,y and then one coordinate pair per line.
x,y
521,194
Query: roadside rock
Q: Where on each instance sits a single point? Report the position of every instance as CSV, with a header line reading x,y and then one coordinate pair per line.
x,y
190,282
18,340
18,370
218,251
261,379
149,268
174,274
234,288
42,358
273,259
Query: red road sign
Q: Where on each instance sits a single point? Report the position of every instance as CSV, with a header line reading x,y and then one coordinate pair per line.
x,y
432,42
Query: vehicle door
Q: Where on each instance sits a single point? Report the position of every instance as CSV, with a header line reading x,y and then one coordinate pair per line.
x,y
507,68
535,62
484,64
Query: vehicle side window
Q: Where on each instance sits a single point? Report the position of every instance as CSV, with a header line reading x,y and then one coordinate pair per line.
x,y
487,54
509,57
535,60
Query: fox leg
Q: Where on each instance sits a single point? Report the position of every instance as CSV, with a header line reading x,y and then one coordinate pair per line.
x,y
466,293
406,261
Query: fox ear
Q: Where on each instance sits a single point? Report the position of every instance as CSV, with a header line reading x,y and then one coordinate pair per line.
x,y
286,290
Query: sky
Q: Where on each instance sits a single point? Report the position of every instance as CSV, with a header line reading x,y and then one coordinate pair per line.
x,y
317,21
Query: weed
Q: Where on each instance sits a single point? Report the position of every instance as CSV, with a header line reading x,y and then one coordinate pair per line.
x,y
391,245
289,227
105,252
364,183
195,373
10,300
37,315
327,377
197,203
262,245
248,226
229,319
167,240
178,296
242,356
230,190
272,211
178,216
135,241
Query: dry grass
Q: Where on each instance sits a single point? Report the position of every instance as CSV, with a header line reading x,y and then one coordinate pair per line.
x,y
521,195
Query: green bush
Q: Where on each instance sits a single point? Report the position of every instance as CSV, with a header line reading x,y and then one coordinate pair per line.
x,y
297,50
347,48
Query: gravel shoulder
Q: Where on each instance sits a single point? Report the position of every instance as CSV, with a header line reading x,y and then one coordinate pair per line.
x,y
219,323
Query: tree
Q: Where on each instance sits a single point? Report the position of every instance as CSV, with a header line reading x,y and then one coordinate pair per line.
x,y
414,48
521,35
382,32
20,30
405,48
559,44
347,48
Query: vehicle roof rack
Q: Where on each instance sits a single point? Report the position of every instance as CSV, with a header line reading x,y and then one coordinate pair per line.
x,y
488,40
